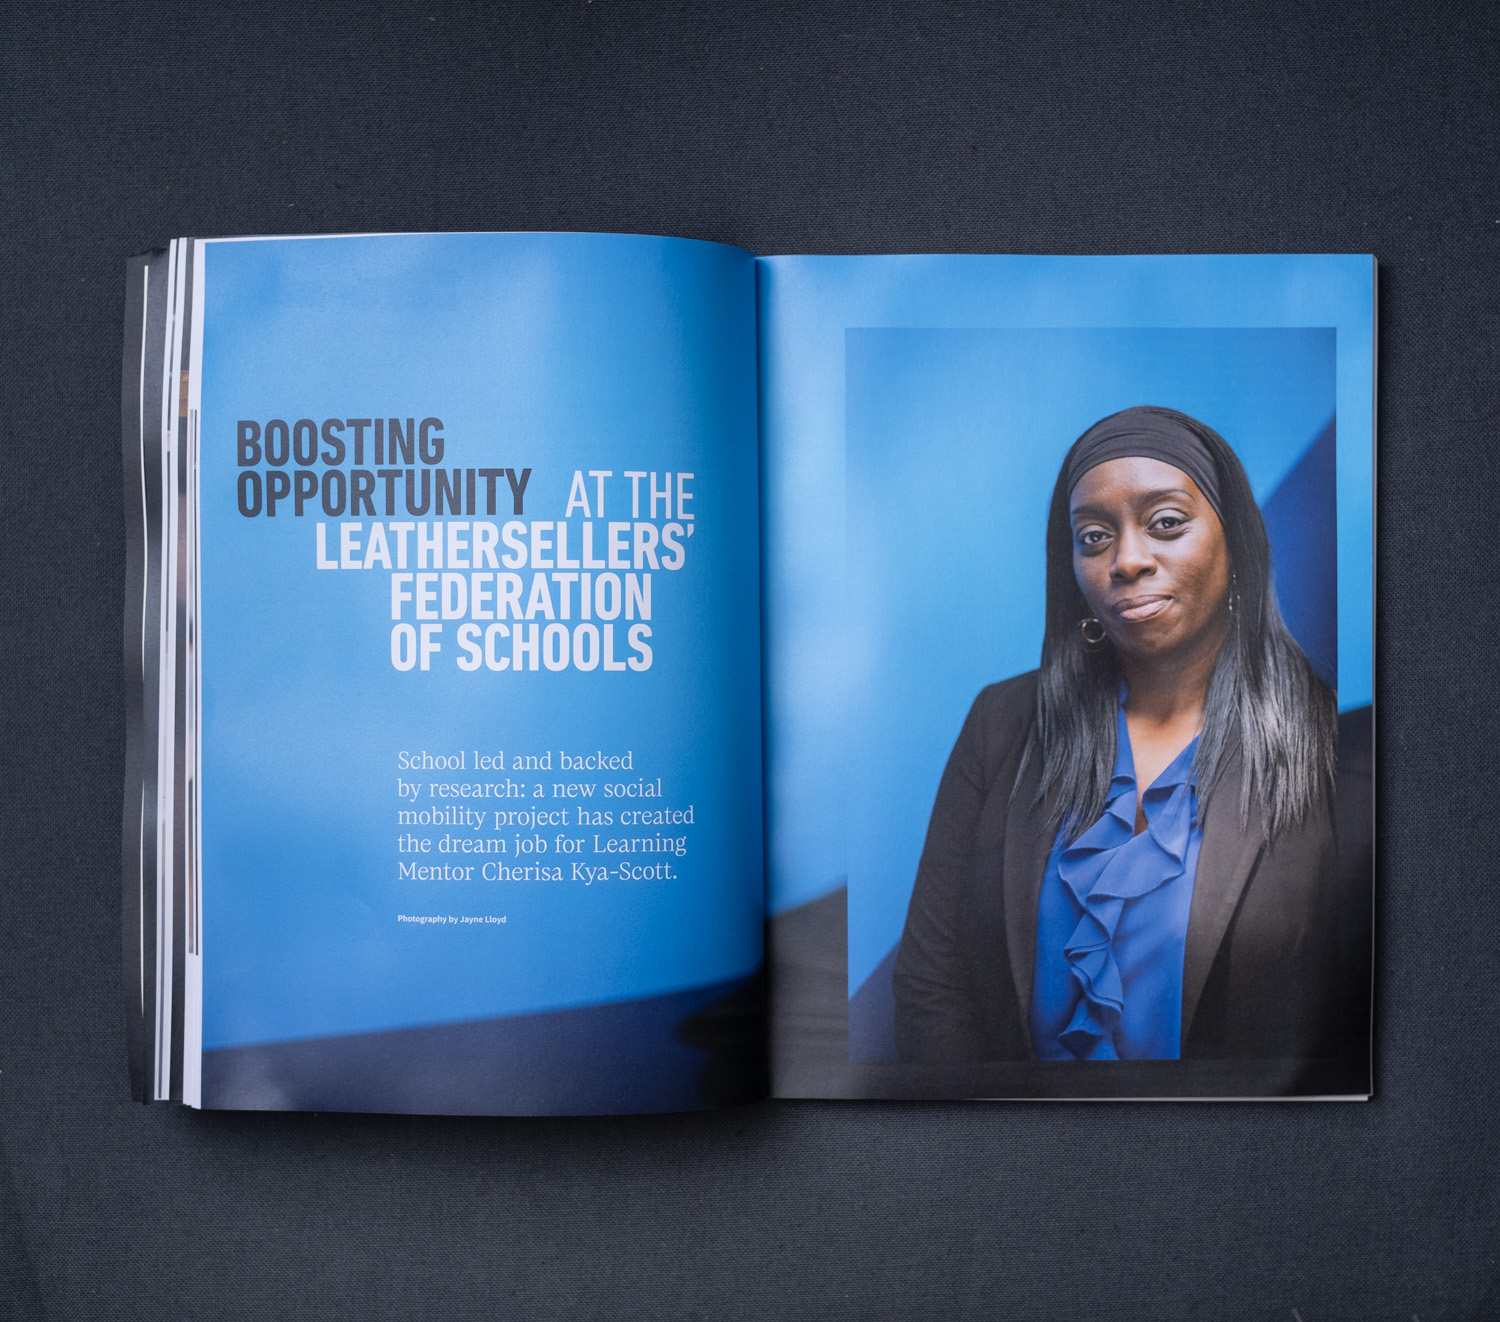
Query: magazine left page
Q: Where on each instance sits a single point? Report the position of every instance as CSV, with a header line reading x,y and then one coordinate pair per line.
x,y
444,777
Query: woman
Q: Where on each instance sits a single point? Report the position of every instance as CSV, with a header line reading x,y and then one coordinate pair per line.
x,y
1059,912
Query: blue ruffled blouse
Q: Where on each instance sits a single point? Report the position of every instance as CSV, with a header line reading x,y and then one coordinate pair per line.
x,y
1112,922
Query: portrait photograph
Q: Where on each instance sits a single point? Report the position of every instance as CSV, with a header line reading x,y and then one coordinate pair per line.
x,y
1107,782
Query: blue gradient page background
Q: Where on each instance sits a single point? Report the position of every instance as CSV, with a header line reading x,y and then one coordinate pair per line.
x,y
552,352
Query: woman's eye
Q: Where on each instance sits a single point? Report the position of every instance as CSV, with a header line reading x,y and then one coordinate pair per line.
x,y
1167,522
1091,537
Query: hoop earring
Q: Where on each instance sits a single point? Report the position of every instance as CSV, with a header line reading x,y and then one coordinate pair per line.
x,y
1090,640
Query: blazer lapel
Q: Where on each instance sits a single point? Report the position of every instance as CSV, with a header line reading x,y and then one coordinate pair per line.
x,y
1225,862
1027,845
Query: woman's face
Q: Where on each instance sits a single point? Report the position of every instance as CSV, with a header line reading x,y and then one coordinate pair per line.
x,y
1150,558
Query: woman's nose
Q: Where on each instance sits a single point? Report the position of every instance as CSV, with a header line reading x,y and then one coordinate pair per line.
x,y
1132,556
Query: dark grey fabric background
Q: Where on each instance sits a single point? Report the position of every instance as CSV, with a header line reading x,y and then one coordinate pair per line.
x,y
1024,127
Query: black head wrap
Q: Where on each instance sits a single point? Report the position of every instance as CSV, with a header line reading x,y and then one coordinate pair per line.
x,y
1147,432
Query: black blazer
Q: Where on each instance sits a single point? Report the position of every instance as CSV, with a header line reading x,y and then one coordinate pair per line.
x,y
1260,969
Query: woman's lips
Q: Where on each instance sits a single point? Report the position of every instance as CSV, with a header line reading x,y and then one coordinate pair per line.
x,y
1135,609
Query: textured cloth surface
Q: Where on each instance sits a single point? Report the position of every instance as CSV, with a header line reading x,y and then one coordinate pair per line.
x,y
784,127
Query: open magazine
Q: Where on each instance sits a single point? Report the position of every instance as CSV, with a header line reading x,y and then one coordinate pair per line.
x,y
576,673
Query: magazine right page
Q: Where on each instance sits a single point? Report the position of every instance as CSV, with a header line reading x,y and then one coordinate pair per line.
x,y
1068,623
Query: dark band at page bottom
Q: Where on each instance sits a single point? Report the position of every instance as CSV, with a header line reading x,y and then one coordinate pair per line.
x,y
681,1052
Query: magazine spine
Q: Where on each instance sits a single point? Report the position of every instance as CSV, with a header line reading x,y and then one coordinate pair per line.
x,y
144,358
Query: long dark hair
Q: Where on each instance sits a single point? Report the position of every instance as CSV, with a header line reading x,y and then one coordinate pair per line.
x,y
1264,699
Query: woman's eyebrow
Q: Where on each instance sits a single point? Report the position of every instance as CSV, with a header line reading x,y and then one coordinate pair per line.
x,y
1145,498
1149,496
